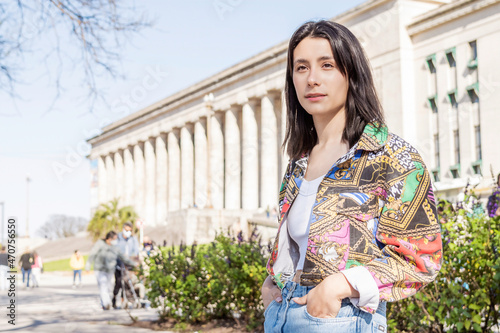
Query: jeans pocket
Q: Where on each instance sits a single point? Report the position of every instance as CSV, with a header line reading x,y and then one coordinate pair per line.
x,y
379,323
340,320
266,311
378,327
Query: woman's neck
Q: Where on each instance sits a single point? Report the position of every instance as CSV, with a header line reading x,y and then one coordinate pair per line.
x,y
330,128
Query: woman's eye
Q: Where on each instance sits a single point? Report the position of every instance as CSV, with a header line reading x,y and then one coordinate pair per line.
x,y
299,68
328,65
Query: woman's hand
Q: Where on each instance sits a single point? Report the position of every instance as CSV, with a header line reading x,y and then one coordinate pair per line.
x,y
270,292
324,301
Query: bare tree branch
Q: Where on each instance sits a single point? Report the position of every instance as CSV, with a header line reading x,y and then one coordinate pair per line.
x,y
96,29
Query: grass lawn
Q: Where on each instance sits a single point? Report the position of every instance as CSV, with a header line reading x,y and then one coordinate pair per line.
x,y
59,265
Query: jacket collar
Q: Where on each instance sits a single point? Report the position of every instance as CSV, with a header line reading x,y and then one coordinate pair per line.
x,y
374,137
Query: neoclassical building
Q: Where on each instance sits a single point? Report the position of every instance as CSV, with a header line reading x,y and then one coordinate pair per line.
x,y
209,156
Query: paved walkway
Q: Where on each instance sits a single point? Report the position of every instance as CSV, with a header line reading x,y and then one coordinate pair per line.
x,y
56,307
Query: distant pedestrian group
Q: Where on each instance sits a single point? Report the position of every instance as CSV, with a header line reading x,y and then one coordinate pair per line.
x,y
31,266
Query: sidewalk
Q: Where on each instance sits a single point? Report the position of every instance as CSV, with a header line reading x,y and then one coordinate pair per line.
x,y
56,307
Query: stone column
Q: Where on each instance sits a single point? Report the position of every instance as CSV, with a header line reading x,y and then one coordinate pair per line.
x,y
161,179
268,153
128,180
200,164
187,167
110,172
174,171
139,181
232,159
282,126
102,179
216,161
249,156
119,174
150,182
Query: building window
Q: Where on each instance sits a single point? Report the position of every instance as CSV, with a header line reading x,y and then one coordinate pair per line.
x,y
450,56
455,171
435,171
473,92
433,103
435,174
436,151
452,97
456,140
431,63
477,134
472,64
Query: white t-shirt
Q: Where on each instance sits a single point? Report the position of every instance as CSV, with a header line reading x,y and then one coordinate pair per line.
x,y
300,213
298,221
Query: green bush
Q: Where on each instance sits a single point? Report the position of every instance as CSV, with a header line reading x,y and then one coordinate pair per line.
x,y
199,283
465,297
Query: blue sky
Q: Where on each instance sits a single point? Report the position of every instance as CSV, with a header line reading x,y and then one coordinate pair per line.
x,y
190,41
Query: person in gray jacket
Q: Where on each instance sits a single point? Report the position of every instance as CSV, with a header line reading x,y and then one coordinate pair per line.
x,y
104,255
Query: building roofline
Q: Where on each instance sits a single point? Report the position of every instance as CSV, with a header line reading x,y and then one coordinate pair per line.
x,y
446,13
183,95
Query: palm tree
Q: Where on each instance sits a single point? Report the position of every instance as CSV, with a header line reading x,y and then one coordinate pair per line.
x,y
109,217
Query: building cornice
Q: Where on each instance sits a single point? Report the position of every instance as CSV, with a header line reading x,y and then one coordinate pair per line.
x,y
196,91
446,13
192,94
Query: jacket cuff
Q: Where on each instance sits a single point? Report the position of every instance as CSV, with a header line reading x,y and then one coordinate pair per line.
x,y
361,280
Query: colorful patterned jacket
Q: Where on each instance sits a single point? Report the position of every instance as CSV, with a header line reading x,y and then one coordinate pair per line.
x,y
375,208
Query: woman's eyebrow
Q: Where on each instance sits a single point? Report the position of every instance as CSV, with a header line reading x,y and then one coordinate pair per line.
x,y
304,61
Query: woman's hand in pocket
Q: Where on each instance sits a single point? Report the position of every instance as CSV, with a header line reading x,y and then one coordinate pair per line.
x,y
270,292
325,300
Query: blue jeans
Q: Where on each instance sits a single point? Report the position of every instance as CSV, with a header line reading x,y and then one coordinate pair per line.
x,y
288,316
105,283
79,272
28,273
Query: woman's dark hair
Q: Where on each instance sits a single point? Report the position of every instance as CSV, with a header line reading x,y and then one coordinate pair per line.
x,y
110,235
362,104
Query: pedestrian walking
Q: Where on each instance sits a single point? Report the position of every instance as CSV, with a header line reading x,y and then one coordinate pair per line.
x,y
36,269
25,263
77,262
104,256
357,215
129,247
4,267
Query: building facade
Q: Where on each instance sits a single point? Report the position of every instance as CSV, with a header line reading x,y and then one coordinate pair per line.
x,y
209,156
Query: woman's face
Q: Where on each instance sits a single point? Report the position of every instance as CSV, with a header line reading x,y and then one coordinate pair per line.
x,y
320,86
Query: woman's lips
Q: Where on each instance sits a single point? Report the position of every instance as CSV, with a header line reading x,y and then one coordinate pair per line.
x,y
315,98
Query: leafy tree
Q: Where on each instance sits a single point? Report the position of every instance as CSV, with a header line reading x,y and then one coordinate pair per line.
x,y
109,217
61,226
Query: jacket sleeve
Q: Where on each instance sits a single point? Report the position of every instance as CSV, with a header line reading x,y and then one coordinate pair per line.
x,y
407,232
125,259
92,255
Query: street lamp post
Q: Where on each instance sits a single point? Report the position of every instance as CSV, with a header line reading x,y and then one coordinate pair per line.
x,y
28,180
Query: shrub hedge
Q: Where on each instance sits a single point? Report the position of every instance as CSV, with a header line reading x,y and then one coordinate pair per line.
x,y
200,283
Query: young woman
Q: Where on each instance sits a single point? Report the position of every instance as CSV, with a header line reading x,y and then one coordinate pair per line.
x,y
36,270
357,223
